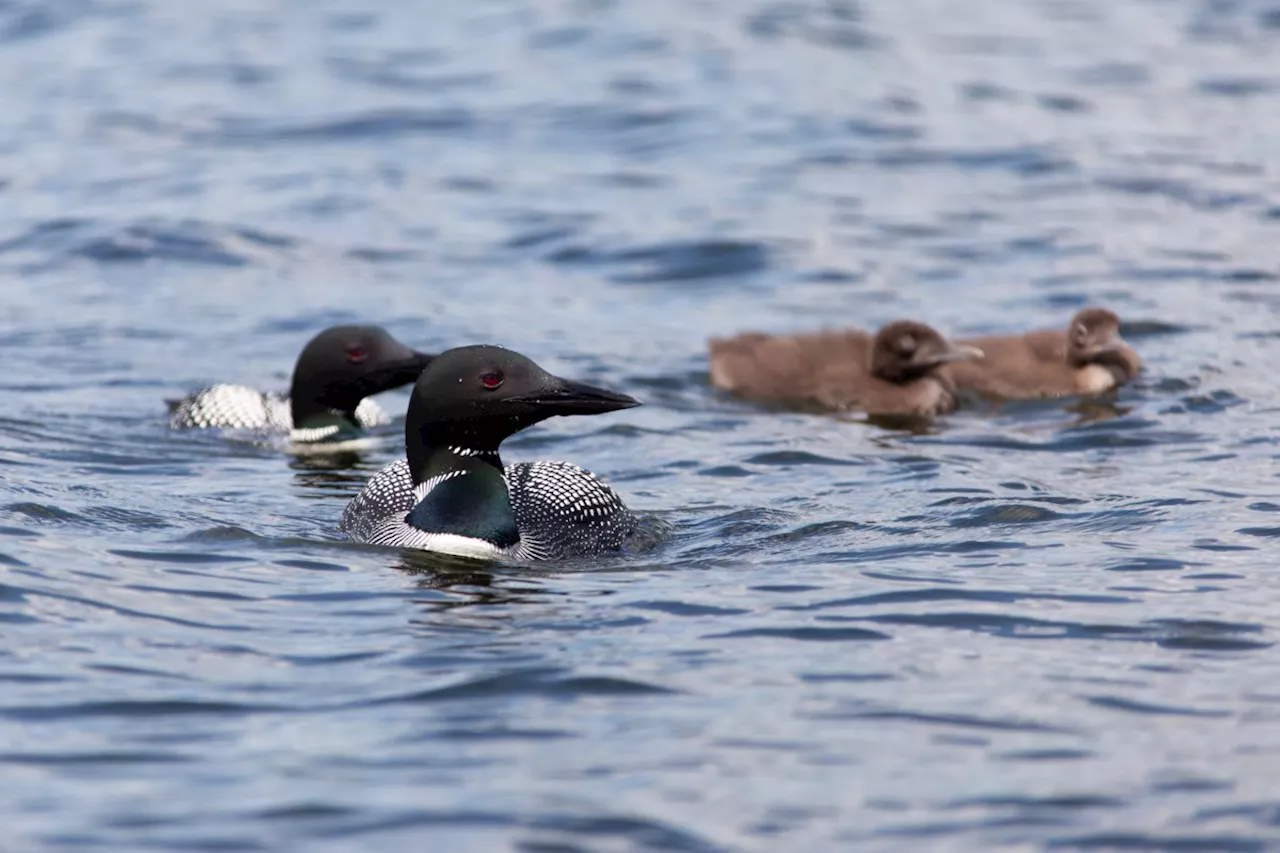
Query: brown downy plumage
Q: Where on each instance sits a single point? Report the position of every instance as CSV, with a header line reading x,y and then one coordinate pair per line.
x,y
895,373
1089,357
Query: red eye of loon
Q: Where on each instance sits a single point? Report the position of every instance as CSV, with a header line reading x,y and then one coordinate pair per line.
x,y
357,354
491,380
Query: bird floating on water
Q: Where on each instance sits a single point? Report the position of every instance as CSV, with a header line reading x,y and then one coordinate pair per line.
x,y
328,400
452,494
898,371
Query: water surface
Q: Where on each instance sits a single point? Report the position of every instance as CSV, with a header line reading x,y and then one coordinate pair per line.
x,y
1038,627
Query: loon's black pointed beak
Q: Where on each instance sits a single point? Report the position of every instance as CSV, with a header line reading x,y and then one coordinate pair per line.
x,y
402,371
565,397
418,361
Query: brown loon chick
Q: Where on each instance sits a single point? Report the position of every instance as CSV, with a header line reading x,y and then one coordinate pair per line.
x,y
1089,357
897,372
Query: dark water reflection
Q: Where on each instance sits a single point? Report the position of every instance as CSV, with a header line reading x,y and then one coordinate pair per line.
x,y
1029,626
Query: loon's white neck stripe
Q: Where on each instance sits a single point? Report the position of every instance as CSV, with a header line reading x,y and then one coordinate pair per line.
x,y
307,435
424,488
467,451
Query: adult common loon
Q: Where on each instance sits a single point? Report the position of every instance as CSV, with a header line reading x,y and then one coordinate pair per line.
x,y
1088,357
335,373
452,494
896,372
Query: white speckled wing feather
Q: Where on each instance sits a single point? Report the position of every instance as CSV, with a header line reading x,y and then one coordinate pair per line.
x,y
241,407
232,407
565,511
561,511
376,514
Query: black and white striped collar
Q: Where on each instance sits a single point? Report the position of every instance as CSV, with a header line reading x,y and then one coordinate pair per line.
x,y
467,451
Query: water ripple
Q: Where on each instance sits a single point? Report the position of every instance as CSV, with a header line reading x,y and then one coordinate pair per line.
x,y
671,262
536,681
805,633
1020,625
184,241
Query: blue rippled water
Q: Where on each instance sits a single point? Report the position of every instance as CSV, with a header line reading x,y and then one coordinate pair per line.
x,y
1042,626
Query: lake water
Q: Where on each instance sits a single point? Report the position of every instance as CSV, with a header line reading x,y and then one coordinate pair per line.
x,y
1039,627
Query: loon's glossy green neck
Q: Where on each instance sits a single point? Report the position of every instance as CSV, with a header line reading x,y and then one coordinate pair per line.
x,y
436,448
466,496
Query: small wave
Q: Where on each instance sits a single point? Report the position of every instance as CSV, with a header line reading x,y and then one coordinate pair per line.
x,y
228,534
381,125
1150,564
805,633
131,708
1007,514
540,681
965,721
130,612
683,608
1153,843
610,119
402,72
1013,627
1265,814
46,513
912,596
1121,703
1100,435
836,26
1053,803
179,557
54,242
39,759
1064,103
558,832
1028,160
25,20
321,821
1207,635
1037,755
673,262
1237,87
798,457
1181,191
1167,633
1118,74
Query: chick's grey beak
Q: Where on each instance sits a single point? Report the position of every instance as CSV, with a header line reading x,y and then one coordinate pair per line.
x,y
960,352
1112,343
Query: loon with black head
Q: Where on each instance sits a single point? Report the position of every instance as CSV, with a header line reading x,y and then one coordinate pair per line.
x,y
452,495
336,372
